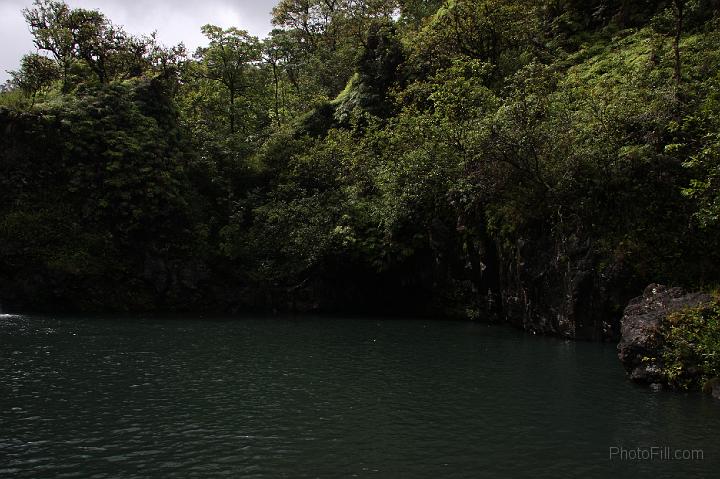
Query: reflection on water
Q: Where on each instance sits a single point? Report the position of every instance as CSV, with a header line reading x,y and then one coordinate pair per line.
x,y
330,397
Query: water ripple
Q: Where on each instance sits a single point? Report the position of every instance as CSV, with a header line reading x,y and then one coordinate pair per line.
x,y
326,398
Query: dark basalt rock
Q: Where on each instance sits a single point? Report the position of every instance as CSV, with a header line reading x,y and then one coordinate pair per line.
x,y
712,387
640,345
564,288
715,391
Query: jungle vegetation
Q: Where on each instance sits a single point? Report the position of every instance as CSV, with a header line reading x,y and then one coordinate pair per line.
x,y
470,157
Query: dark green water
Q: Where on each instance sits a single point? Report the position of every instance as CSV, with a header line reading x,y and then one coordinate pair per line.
x,y
328,398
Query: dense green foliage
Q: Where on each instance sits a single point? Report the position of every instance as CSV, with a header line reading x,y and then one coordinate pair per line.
x,y
535,160
106,195
692,354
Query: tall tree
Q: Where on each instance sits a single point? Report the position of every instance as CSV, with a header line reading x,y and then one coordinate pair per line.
x,y
330,34
49,23
97,39
36,72
228,59
88,36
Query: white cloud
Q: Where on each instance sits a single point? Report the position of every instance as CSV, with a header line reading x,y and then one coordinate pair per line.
x,y
174,20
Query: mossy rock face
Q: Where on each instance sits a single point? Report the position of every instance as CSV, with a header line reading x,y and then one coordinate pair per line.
x,y
651,348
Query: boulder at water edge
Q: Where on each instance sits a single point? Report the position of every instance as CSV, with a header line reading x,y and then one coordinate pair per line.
x,y
641,340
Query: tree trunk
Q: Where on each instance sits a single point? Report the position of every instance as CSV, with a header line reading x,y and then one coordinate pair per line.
x,y
277,95
66,69
678,7
232,111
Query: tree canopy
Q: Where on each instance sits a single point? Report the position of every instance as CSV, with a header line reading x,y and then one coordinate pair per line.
x,y
533,161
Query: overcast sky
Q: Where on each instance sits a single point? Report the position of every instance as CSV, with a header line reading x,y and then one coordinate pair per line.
x,y
175,21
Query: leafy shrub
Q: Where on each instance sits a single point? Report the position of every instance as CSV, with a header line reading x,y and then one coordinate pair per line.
x,y
692,346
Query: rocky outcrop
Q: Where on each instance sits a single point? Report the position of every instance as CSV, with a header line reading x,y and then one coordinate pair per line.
x,y
712,387
640,347
564,288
